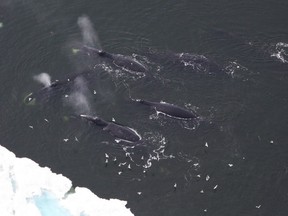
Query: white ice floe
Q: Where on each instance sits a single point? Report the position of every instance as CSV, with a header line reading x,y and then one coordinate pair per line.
x,y
28,189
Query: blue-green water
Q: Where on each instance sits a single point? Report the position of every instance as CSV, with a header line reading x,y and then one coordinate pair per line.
x,y
240,147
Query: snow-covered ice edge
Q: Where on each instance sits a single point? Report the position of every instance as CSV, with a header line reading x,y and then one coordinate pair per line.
x,y
28,189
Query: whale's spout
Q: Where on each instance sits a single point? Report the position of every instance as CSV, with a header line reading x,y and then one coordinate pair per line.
x,y
89,35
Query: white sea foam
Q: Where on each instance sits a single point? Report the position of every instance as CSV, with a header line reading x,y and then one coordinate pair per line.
x,y
281,52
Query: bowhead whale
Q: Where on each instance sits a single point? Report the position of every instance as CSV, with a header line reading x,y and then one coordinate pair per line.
x,y
126,62
120,132
56,86
169,109
45,92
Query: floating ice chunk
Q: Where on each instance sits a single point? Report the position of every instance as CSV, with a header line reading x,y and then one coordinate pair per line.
x,y
206,144
230,165
27,189
30,126
139,193
215,187
207,178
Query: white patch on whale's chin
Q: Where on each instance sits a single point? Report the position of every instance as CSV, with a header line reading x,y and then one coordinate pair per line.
x,y
140,138
118,140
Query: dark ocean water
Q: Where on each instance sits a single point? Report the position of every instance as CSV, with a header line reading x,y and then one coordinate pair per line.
x,y
234,161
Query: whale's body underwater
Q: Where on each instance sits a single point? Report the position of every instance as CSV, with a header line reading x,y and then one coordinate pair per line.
x,y
120,132
187,61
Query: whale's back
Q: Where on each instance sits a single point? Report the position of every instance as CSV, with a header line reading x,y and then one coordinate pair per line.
x,y
122,132
128,63
174,111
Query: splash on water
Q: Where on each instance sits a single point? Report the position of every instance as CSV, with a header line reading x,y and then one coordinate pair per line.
x,y
280,52
43,78
234,69
154,145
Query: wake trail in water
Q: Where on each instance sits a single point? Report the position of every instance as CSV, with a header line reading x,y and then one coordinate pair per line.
x,y
43,78
90,37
